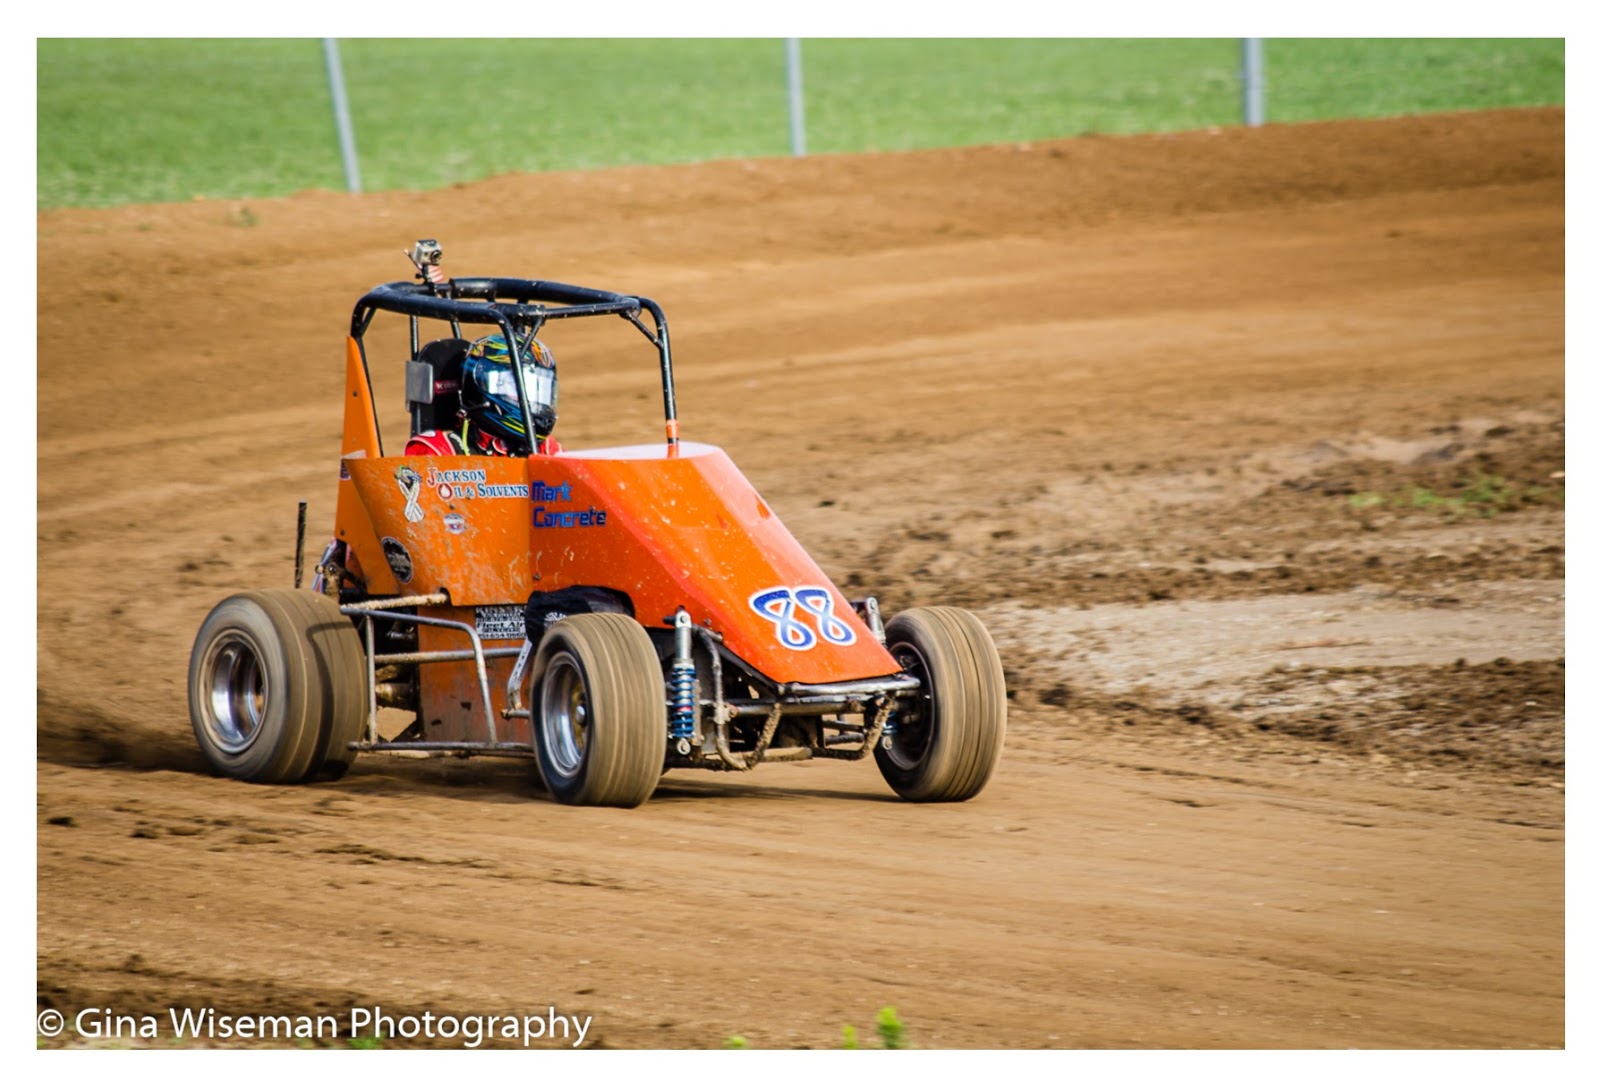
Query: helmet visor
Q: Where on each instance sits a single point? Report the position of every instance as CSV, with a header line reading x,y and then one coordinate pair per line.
x,y
540,381
541,384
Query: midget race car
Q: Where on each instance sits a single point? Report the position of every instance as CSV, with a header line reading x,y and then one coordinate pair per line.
x,y
610,613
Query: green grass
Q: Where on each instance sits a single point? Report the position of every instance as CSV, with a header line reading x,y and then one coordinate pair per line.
x,y
1486,496
133,120
891,1034
1313,78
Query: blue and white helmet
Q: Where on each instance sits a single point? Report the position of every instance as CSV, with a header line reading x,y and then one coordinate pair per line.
x,y
489,389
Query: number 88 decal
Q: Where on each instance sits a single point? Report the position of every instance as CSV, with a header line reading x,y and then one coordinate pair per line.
x,y
778,604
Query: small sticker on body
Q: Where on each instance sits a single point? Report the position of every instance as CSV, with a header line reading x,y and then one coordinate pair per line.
x,y
399,560
500,622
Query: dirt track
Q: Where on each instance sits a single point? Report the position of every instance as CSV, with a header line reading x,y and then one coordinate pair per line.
x,y
1246,445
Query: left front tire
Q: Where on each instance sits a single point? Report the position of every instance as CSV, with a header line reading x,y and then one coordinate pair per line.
x,y
600,712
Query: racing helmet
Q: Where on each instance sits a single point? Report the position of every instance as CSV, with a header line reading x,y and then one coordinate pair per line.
x,y
489,389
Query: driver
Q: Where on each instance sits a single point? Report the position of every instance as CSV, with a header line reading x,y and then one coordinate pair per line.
x,y
491,422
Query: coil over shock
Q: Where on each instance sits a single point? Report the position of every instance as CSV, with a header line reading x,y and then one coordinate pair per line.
x,y
890,722
681,721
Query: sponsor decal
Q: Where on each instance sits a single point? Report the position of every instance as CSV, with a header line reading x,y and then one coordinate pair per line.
x,y
399,560
500,622
544,517
780,605
475,485
456,484
454,523
409,483
456,477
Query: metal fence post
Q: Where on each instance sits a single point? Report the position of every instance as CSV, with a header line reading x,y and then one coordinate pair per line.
x,y
797,102
341,115
1253,77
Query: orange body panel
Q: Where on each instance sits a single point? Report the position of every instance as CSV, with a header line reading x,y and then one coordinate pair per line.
x,y
451,703
351,524
447,523
668,527
687,529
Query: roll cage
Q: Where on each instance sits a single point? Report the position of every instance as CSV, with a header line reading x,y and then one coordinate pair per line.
x,y
512,304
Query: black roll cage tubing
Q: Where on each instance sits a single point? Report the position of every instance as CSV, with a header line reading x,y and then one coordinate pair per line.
x,y
525,304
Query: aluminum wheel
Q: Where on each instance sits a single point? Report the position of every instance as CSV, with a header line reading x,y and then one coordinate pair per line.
x,y
564,703
236,689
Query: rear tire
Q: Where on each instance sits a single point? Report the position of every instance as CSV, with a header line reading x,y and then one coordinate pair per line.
x,y
343,668
949,736
256,691
600,711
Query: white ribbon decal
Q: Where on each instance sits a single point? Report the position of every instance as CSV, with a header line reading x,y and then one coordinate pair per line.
x,y
410,487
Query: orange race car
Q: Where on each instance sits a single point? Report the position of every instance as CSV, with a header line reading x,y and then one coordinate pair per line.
x,y
612,613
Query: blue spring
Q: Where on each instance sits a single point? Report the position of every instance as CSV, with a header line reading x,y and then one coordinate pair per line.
x,y
682,702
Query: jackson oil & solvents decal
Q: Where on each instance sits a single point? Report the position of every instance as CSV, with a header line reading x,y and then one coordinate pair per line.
x,y
456,484
472,485
500,622
778,605
399,560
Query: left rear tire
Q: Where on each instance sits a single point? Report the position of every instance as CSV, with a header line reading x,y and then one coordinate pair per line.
x,y
276,687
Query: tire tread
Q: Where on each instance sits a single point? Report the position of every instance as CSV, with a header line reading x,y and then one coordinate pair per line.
x,y
627,701
969,705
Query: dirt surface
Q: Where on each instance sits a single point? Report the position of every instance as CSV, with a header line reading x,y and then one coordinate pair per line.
x,y
1248,446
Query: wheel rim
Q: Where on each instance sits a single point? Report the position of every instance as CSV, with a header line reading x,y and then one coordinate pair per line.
x,y
564,715
236,692
914,718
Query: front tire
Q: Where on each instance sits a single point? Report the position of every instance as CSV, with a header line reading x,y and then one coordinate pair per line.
x,y
949,736
261,694
600,712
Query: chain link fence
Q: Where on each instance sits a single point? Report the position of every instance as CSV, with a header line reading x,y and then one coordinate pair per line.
x,y
132,120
